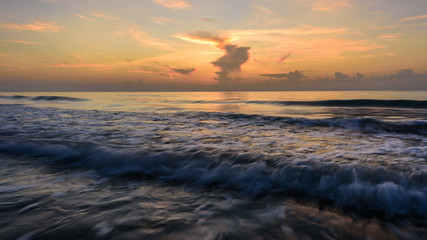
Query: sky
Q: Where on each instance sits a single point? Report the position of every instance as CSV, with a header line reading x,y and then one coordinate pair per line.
x,y
174,45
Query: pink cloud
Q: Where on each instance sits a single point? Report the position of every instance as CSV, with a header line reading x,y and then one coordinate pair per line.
x,y
176,4
146,39
413,18
36,26
20,41
390,36
327,5
84,18
78,65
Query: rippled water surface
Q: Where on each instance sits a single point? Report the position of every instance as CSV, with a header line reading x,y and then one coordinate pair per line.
x,y
232,165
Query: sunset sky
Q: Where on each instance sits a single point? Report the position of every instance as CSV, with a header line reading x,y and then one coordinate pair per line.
x,y
197,44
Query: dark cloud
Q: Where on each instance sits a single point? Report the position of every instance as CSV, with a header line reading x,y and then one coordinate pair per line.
x,y
405,79
233,58
275,75
223,77
292,76
186,71
341,76
207,36
284,57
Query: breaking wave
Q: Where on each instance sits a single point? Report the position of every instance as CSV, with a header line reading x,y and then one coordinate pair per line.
x,y
364,189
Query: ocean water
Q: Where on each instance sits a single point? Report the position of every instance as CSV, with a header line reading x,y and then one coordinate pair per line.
x,y
213,165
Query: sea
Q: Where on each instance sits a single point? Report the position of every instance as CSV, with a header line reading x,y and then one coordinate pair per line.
x,y
213,165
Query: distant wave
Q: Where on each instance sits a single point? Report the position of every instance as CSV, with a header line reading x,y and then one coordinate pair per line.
x,y
353,103
370,125
338,103
44,98
365,189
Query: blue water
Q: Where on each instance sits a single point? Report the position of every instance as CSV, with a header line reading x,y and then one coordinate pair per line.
x,y
231,165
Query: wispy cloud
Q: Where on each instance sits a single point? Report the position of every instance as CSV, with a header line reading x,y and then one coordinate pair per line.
x,y
20,41
103,15
284,57
146,39
263,9
78,65
84,17
174,4
327,5
211,20
203,37
165,20
413,18
302,30
35,27
392,36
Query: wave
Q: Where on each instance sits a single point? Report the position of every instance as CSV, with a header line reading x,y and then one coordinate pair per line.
x,y
402,103
353,103
365,189
44,98
367,125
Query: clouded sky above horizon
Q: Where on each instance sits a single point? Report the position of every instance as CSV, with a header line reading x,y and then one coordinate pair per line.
x,y
128,44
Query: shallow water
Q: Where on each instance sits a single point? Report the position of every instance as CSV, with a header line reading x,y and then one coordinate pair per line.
x,y
245,165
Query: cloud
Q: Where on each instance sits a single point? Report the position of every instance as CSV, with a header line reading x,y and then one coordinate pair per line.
x,y
390,36
84,17
211,20
20,41
174,4
327,5
204,37
263,9
165,20
78,65
233,58
146,39
291,76
301,30
186,71
275,75
284,57
413,18
35,27
103,15
258,61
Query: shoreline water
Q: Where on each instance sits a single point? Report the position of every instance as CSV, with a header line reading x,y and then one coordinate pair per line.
x,y
213,166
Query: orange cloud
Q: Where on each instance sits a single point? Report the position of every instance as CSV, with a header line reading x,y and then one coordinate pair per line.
x,y
146,39
79,65
327,5
36,27
203,37
84,17
302,30
176,4
413,18
263,9
103,15
390,36
20,41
